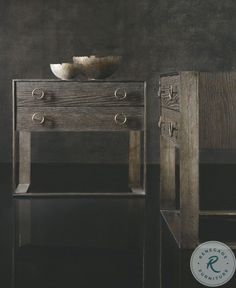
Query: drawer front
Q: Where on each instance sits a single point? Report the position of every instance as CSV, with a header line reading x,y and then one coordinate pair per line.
x,y
79,119
169,92
169,129
72,93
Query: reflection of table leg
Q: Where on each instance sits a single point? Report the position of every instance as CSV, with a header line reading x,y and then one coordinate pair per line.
x,y
160,251
24,161
170,259
24,222
135,159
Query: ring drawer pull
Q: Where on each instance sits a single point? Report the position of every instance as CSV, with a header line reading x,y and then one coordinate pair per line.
x,y
120,118
159,90
38,93
172,128
160,122
38,118
170,94
120,93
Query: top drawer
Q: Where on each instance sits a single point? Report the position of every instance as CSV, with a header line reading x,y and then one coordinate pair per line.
x,y
75,93
170,91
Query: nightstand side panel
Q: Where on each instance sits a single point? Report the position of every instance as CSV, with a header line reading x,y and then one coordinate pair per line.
x,y
217,105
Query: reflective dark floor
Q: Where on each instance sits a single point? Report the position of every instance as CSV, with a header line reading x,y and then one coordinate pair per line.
x,y
83,267
217,192
65,242
176,264
88,242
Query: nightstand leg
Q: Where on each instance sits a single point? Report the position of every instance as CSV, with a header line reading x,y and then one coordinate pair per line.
x,y
189,161
167,163
24,161
24,206
135,159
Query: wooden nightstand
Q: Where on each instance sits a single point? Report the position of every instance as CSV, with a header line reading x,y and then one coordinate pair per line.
x,y
61,106
52,106
197,113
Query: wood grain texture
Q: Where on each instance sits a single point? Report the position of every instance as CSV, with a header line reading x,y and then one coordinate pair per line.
x,y
207,121
13,136
217,110
169,92
80,119
189,160
171,114
146,143
135,159
70,93
24,157
167,174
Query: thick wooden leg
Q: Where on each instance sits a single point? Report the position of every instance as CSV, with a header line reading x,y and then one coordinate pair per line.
x,y
24,161
24,206
135,160
167,166
189,199
189,161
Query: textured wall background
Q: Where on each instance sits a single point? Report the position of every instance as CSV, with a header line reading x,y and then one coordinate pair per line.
x,y
152,36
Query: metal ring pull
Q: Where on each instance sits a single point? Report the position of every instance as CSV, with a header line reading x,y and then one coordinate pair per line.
x,y
172,127
159,90
170,94
38,93
37,118
120,118
122,95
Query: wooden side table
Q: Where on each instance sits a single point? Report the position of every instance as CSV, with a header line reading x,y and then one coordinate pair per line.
x,y
54,105
51,105
197,113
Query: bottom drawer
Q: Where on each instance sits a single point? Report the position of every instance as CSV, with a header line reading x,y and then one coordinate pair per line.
x,y
79,119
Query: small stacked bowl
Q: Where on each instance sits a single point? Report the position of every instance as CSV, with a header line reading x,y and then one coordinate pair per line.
x,y
87,67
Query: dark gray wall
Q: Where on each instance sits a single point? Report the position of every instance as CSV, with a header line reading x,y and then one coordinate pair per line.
x,y
152,36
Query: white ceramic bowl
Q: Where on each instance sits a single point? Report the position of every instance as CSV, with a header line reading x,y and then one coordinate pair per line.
x,y
65,71
95,67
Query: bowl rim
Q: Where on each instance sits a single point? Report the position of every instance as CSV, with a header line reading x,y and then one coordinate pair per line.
x,y
67,63
98,56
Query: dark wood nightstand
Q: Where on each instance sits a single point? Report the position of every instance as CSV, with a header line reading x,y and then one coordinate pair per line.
x,y
52,106
61,106
197,113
